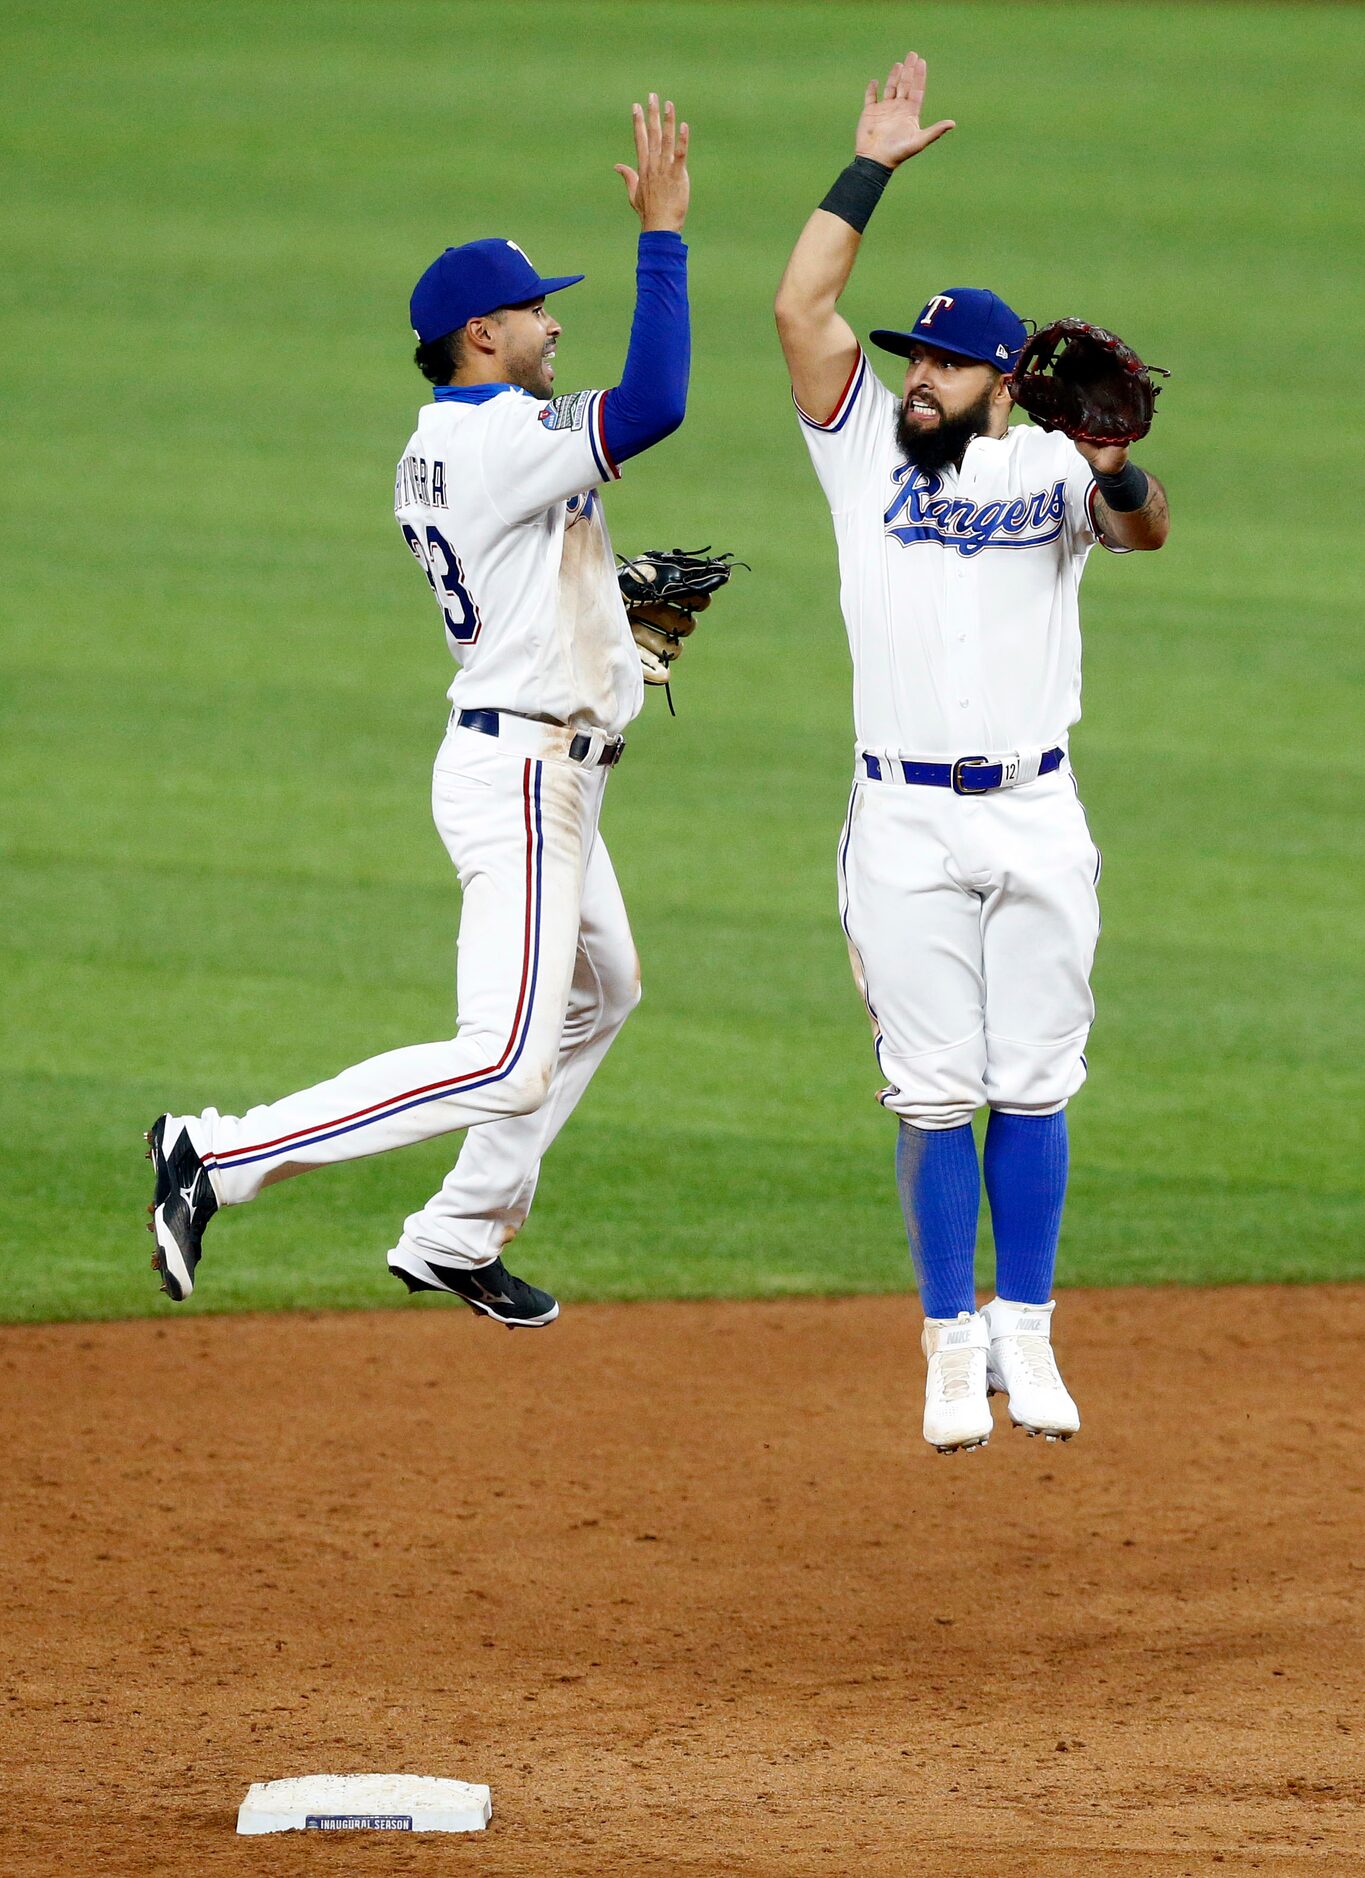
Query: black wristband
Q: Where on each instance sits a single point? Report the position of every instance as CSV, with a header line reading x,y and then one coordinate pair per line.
x,y
857,191
1125,490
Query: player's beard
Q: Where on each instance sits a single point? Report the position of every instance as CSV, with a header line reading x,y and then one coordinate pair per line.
x,y
536,378
531,370
943,443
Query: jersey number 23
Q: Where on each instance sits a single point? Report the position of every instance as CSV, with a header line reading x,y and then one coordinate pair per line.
x,y
441,565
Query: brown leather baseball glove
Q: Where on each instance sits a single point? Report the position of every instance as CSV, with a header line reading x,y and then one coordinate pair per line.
x,y
1080,379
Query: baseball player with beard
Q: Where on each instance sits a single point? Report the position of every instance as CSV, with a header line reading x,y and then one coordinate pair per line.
x,y
967,873
497,499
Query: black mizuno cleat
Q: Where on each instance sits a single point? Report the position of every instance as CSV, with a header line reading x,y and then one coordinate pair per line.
x,y
488,1288
183,1203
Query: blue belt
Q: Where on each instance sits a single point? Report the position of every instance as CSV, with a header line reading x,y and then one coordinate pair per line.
x,y
984,775
579,748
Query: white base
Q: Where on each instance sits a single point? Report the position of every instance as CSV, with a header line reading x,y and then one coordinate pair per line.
x,y
365,1802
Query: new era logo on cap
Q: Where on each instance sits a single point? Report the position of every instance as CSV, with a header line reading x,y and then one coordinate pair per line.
x,y
968,322
466,282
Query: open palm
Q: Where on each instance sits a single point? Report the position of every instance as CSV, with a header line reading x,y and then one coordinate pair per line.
x,y
889,130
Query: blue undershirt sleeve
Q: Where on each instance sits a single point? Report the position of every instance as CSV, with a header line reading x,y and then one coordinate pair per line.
x,y
651,398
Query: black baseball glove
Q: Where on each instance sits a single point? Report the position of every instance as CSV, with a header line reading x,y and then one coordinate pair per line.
x,y
664,590
1085,381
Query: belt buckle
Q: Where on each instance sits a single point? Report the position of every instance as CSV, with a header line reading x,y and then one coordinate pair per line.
x,y
970,762
612,753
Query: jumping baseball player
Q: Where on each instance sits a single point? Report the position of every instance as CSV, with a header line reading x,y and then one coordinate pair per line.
x,y
967,873
497,498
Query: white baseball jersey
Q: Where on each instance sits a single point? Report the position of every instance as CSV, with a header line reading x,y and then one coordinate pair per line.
x,y
496,497
958,588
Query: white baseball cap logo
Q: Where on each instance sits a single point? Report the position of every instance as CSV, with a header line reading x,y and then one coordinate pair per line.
x,y
926,318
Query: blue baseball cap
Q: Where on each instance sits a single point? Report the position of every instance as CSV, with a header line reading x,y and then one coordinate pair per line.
x,y
478,278
969,322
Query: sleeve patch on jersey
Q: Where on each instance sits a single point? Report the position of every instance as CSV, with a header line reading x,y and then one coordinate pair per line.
x,y
567,413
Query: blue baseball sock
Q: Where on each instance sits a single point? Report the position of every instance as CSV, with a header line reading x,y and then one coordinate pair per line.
x,y
1026,1164
940,1189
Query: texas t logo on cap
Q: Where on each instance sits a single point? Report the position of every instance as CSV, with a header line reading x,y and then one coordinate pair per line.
x,y
478,278
966,323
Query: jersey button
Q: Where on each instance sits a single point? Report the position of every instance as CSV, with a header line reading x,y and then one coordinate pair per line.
x,y
962,703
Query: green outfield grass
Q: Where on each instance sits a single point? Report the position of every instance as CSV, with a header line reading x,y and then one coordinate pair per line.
x,y
223,677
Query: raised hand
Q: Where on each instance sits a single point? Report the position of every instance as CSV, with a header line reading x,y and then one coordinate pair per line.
x,y
660,188
889,129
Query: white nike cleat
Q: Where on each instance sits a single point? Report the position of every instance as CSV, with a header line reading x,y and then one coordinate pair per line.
x,y
1022,1366
957,1413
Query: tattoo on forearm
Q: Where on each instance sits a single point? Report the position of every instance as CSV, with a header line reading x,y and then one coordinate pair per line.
x,y
1153,518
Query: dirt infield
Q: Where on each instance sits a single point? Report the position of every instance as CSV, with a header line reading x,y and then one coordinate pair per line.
x,y
682,1583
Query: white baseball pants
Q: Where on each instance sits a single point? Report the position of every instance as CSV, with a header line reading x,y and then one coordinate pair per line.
x,y
546,975
971,924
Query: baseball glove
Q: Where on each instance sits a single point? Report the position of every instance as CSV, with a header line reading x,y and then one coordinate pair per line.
x,y
1085,381
664,590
